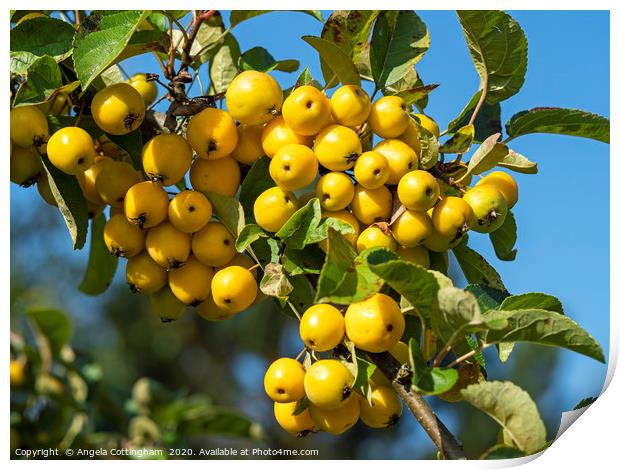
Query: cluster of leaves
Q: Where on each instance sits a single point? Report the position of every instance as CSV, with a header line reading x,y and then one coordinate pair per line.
x,y
60,400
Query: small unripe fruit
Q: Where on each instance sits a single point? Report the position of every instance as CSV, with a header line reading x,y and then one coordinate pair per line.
x,y
350,105
168,246
321,327
189,211
372,169
306,110
233,289
166,305
401,158
337,147
371,205
273,207
328,383
146,204
45,190
166,158
284,380
25,166
429,124
118,109
122,238
71,149
488,208
376,324
253,98
375,236
418,190
213,245
335,191
211,312
388,117
212,133
221,176
147,89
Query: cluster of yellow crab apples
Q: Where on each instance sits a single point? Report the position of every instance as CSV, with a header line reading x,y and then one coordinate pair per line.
x,y
181,256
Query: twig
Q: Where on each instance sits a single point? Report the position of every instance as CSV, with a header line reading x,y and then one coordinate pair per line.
x,y
444,440
466,356
483,96
157,101
161,63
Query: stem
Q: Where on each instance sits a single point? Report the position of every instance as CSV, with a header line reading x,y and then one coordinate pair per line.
x,y
202,92
161,63
467,355
508,139
331,80
483,96
444,440
159,100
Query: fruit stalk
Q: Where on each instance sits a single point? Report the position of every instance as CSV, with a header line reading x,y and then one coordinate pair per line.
x,y
441,436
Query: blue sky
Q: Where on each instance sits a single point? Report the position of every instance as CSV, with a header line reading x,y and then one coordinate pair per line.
x,y
563,212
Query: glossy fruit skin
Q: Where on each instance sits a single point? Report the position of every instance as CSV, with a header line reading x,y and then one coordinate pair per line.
x,y
43,186
372,169
385,410
146,204
411,137
298,425
335,191
412,228
376,324
273,207
25,166
374,236
418,190
338,420
401,158
347,217
88,179
416,254
328,383
284,380
211,312
233,289
213,245
400,352
253,98
293,167
488,206
191,283
277,133
350,105
221,176
147,89
71,150
505,184
122,238
166,158
429,124
59,105
168,246
144,275
450,215
189,211
441,243
118,109
28,127
306,110
166,305
371,205
321,327
388,117
114,180
212,133
249,146
337,147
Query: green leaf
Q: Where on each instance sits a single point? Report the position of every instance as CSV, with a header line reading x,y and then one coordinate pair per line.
x,y
543,327
486,156
516,162
237,16
460,142
228,211
43,82
585,402
267,250
274,282
101,264
488,120
349,30
336,59
436,381
86,122
39,37
248,235
259,59
457,314
255,182
307,261
101,39
399,40
223,67
536,300
413,282
559,121
302,295
416,94
208,39
498,47
298,229
500,452
364,371
54,324
429,146
132,144
513,409
71,202
505,238
305,78
488,298
476,269
330,222
439,262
